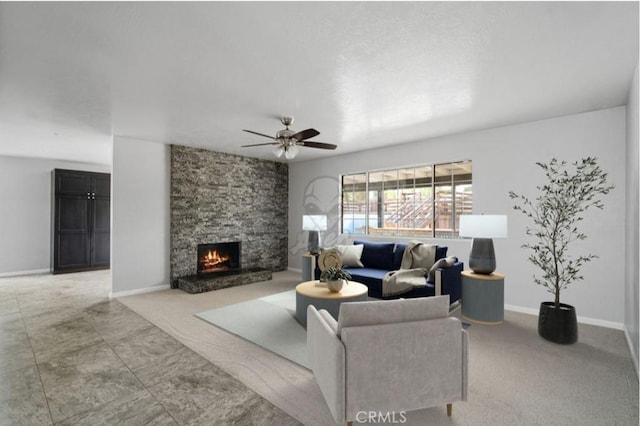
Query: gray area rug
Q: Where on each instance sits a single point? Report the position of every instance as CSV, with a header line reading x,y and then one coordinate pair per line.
x,y
268,322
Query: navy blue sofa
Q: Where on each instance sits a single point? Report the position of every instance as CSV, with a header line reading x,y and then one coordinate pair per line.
x,y
380,258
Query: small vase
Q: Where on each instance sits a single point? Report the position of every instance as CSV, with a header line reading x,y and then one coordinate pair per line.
x,y
335,286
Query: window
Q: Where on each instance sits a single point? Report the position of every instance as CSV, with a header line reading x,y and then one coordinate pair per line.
x,y
419,201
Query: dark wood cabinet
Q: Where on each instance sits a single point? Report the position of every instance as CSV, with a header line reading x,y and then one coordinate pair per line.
x,y
81,221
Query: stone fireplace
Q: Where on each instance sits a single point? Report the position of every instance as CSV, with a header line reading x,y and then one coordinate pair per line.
x,y
219,198
219,266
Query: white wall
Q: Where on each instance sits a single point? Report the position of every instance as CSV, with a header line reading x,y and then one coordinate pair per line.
x,y
25,212
140,216
503,159
632,258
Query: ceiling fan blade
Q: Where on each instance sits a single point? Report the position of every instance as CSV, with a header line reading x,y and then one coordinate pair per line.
x,y
259,134
260,144
320,145
305,134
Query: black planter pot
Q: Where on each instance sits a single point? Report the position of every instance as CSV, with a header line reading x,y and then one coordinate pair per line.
x,y
558,325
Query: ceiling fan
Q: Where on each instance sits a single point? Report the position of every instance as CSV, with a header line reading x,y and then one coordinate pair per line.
x,y
289,140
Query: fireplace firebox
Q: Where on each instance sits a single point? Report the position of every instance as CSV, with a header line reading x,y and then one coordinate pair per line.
x,y
218,258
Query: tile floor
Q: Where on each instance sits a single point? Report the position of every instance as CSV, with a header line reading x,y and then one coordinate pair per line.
x,y
71,356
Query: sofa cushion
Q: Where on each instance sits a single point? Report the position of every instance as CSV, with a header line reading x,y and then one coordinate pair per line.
x,y
371,277
398,252
377,255
441,251
358,314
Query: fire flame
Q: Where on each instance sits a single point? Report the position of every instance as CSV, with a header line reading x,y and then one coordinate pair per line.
x,y
213,260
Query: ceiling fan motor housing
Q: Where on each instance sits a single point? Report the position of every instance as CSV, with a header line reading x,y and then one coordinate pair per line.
x,y
285,136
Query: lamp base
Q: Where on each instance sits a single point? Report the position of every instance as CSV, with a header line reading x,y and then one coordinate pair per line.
x,y
313,244
482,259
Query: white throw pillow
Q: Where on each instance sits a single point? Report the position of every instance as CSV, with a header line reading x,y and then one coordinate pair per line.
x,y
351,255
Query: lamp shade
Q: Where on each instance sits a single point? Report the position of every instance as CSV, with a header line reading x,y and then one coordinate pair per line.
x,y
483,226
314,222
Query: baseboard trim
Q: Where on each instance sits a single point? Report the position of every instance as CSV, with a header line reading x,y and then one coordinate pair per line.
x,y
294,269
632,349
521,310
20,273
582,320
117,294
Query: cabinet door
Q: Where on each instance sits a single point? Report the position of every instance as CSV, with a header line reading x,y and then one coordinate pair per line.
x,y
101,185
101,236
72,183
101,219
71,249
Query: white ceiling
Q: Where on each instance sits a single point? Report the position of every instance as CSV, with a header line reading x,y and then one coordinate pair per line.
x,y
365,74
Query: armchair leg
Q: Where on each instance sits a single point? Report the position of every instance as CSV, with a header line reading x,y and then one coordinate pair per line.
x,y
349,423
449,408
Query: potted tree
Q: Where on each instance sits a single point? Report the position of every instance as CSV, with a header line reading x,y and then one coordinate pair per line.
x,y
570,190
335,278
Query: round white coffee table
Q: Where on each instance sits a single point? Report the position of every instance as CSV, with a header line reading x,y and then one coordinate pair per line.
x,y
308,293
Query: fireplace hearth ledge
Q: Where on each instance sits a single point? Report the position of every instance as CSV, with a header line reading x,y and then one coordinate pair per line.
x,y
194,284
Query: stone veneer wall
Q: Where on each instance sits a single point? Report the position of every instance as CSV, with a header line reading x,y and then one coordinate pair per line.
x,y
217,197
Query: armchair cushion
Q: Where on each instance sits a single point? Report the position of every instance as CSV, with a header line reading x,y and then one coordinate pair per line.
x,y
403,366
356,314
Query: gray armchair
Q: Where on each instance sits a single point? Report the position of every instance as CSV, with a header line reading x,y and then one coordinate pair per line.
x,y
388,356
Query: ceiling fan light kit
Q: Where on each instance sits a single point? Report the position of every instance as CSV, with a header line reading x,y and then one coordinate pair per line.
x,y
289,141
291,152
278,151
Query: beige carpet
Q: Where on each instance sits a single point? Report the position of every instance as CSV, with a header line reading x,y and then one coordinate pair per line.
x,y
516,378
